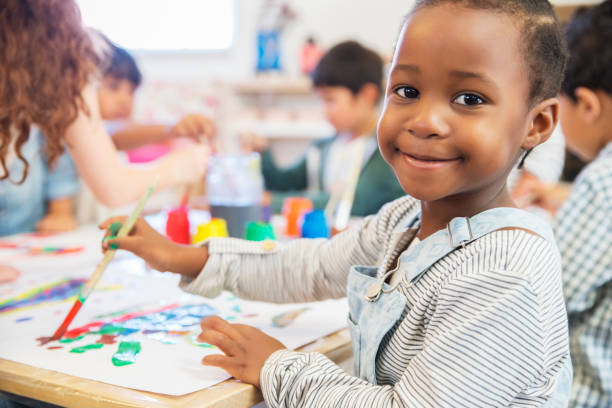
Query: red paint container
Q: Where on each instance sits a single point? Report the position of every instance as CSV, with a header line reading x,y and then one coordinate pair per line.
x,y
177,225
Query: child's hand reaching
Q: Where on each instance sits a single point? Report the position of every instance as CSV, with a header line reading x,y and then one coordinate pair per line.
x,y
188,164
552,196
8,274
54,222
194,126
246,348
59,216
157,250
252,142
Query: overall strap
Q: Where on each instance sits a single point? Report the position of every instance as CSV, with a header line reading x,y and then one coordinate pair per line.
x,y
461,231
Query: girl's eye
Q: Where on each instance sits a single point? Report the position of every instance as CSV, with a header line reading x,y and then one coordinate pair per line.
x,y
407,92
469,100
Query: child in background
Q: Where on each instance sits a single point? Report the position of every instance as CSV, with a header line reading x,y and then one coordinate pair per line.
x,y
44,201
121,78
348,79
584,222
459,300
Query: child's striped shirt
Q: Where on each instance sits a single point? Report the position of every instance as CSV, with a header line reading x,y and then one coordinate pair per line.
x,y
584,235
485,326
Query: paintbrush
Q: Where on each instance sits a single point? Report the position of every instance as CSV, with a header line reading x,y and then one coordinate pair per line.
x,y
89,286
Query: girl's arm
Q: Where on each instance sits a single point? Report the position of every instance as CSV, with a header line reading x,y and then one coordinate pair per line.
x,y
134,135
113,183
297,271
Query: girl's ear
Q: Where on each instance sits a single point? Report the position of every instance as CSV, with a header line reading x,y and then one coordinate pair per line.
x,y
544,118
588,104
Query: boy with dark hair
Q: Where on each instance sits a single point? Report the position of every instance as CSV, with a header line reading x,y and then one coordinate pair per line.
x,y
584,222
348,79
121,78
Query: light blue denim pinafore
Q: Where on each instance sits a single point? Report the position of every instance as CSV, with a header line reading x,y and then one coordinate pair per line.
x,y
375,307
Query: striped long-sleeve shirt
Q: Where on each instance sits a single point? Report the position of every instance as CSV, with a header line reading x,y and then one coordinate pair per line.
x,y
485,326
584,234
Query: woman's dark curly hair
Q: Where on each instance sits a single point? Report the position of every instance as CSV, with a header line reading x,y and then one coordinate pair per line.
x,y
46,59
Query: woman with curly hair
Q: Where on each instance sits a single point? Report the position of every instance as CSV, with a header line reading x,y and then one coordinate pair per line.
x,y
48,74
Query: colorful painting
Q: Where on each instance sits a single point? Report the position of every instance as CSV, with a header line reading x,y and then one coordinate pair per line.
x,y
53,292
137,329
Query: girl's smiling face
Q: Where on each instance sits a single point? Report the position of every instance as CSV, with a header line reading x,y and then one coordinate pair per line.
x,y
456,114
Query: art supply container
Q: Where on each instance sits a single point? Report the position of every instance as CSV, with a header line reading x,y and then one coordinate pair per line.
x,y
214,228
293,209
314,225
259,231
177,225
234,187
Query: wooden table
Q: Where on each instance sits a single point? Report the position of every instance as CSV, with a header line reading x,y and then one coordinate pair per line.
x,y
65,390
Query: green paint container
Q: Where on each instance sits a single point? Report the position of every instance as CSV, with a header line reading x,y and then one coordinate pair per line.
x,y
259,231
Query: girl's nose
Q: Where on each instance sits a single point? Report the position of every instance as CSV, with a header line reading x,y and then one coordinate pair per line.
x,y
427,121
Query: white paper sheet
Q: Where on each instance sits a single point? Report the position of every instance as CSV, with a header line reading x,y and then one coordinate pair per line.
x,y
126,287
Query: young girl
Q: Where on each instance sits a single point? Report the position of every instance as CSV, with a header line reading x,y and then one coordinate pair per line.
x,y
464,307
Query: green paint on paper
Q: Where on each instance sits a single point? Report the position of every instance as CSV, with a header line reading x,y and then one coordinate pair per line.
x,y
83,349
126,353
205,345
113,330
237,309
70,340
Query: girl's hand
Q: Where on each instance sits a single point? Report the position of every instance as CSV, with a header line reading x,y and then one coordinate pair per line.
x,y
246,348
157,250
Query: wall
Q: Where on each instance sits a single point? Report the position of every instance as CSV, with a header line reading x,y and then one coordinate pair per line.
x,y
375,23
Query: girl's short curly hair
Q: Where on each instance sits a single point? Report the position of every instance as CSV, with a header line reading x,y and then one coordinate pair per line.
x,y
543,46
46,59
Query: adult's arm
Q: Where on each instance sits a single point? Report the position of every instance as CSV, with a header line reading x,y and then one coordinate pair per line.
x,y
112,182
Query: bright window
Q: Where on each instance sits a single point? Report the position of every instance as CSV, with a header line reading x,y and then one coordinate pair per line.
x,y
174,25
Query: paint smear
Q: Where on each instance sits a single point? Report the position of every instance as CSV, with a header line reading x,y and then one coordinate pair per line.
x,y
126,353
42,250
193,340
57,291
285,319
44,340
70,339
107,339
162,337
83,349
23,319
54,347
53,250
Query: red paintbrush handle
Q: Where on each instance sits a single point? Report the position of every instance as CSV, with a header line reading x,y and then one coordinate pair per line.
x,y
69,317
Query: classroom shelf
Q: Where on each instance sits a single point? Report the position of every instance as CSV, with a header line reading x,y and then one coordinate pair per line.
x,y
285,129
273,86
